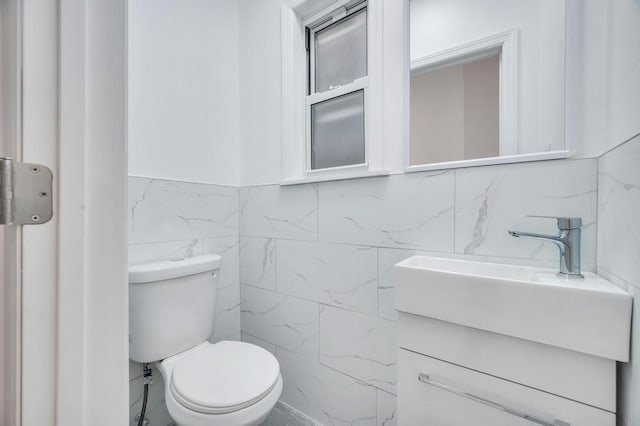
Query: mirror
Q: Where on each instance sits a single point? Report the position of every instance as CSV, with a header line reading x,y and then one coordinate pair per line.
x,y
487,81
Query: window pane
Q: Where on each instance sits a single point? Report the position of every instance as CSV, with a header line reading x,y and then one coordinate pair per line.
x,y
341,52
337,131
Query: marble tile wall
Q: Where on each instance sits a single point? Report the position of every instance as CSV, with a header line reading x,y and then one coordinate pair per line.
x,y
316,266
619,255
308,269
169,220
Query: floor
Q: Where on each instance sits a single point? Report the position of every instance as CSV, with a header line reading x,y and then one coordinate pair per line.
x,y
282,415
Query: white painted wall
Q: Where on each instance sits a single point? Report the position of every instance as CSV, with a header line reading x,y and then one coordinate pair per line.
x,y
183,90
193,120
260,91
603,65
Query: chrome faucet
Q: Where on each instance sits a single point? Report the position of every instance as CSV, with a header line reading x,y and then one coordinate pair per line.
x,y
568,241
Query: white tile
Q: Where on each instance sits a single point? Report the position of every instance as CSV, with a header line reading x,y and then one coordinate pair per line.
x,y
325,395
335,274
414,210
257,262
359,345
135,370
387,258
273,211
227,308
228,249
246,337
166,250
492,200
227,315
286,321
387,409
237,337
619,207
162,210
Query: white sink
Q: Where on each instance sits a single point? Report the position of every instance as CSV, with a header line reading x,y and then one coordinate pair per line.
x,y
589,315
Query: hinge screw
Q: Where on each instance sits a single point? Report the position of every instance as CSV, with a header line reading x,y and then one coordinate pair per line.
x,y
44,194
35,218
35,169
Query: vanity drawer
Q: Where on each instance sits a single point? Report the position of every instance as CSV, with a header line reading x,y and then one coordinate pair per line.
x,y
436,393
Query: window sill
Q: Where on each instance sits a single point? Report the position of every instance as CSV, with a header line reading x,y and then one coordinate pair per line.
x,y
318,179
507,159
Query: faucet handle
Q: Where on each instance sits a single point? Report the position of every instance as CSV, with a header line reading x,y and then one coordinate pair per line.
x,y
564,223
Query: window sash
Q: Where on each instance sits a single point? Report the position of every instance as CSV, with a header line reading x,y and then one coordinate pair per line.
x,y
343,10
360,84
332,18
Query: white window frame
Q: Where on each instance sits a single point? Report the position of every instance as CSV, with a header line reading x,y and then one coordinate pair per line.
x,y
384,90
328,17
362,84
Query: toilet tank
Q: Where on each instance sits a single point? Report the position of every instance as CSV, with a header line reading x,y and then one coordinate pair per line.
x,y
171,306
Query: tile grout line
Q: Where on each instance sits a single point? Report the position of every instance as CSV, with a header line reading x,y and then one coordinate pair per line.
x,y
597,212
378,282
455,196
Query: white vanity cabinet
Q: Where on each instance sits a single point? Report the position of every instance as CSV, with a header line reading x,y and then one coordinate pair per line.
x,y
435,392
489,345
496,380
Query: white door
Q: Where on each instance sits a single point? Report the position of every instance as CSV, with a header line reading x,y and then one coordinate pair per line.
x,y
64,322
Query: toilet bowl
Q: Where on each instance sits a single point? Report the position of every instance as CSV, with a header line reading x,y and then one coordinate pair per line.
x,y
221,384
171,314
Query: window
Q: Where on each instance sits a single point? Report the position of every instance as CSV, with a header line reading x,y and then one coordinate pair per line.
x,y
339,54
337,131
337,71
343,65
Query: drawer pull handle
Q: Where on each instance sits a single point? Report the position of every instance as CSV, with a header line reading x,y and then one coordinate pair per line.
x,y
424,378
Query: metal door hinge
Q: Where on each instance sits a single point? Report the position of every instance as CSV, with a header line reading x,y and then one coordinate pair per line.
x,y
25,193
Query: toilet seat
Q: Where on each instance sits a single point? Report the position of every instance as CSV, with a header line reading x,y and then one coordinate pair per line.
x,y
224,377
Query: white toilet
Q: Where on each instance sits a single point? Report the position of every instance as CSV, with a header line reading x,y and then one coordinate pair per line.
x,y
171,311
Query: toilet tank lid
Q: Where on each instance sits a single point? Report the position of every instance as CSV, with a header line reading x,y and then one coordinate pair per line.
x,y
168,269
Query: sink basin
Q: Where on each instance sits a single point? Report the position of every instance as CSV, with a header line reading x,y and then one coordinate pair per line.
x,y
589,315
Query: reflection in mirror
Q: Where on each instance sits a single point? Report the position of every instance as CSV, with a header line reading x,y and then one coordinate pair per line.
x,y
487,80
455,112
